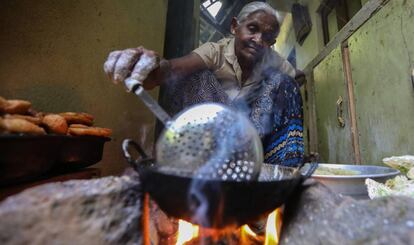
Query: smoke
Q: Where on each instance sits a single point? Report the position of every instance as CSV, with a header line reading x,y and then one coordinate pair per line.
x,y
206,197
236,155
143,132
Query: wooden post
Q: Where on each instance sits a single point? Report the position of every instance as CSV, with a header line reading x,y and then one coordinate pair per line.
x,y
312,123
351,100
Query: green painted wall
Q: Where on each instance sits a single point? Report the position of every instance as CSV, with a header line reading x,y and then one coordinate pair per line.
x,y
312,44
286,41
353,7
53,53
364,1
382,59
332,24
334,142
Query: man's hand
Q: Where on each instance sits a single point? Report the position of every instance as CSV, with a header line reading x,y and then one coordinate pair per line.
x,y
122,64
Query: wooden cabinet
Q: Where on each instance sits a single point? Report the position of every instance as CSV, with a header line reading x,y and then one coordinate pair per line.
x,y
381,57
379,88
332,112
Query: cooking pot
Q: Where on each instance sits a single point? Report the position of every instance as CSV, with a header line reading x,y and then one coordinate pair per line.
x,y
228,203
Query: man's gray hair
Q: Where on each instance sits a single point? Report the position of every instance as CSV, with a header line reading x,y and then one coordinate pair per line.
x,y
256,6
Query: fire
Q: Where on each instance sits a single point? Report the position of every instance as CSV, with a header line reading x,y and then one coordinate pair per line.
x,y
273,225
188,231
246,231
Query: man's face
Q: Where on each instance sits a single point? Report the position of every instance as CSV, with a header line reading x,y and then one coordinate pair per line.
x,y
254,36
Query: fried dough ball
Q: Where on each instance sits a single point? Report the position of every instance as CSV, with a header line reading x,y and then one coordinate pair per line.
x,y
55,124
78,118
35,120
17,106
18,125
93,131
78,126
3,104
35,113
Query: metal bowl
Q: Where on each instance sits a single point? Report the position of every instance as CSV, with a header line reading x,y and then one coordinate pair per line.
x,y
354,185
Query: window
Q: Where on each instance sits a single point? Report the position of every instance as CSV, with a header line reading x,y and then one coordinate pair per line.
x,y
212,6
335,14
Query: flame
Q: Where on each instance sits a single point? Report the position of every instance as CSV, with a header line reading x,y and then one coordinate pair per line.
x,y
186,232
273,225
246,231
248,236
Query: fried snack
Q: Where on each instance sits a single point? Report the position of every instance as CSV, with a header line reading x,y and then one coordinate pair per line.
x,y
35,120
93,131
78,126
17,106
55,124
3,104
35,113
78,118
18,125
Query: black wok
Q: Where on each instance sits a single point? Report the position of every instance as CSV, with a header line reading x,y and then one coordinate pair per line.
x,y
230,203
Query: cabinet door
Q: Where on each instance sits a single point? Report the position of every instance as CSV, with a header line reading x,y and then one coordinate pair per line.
x,y
334,141
381,55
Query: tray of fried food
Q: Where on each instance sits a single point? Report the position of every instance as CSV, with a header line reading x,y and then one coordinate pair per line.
x,y
81,124
18,117
80,129
34,143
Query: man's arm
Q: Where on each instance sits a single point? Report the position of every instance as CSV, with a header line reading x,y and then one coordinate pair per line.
x,y
179,68
120,65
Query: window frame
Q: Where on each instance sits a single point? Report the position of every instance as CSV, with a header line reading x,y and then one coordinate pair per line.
x,y
325,8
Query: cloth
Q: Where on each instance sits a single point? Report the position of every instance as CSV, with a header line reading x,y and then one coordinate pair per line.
x,y
220,58
274,107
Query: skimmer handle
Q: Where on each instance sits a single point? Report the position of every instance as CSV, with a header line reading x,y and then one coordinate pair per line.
x,y
136,87
142,69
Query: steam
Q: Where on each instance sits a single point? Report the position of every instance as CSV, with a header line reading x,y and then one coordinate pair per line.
x,y
143,133
206,193
234,159
206,197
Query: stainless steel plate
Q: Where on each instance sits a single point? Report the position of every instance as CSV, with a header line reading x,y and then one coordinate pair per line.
x,y
354,185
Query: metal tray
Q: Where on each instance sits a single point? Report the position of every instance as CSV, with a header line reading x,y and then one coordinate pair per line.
x,y
354,185
26,157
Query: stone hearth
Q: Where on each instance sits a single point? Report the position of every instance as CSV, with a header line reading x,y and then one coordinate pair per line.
x,y
108,211
318,216
99,211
